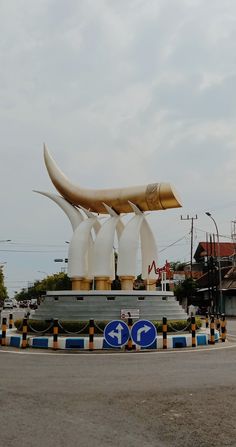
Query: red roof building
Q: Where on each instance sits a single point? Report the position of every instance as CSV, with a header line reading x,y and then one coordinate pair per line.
x,y
223,250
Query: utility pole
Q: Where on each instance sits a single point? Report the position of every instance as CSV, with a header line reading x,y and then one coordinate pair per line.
x,y
191,255
220,305
233,237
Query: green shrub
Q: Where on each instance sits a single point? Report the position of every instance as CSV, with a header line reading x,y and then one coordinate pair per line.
x,y
177,325
82,327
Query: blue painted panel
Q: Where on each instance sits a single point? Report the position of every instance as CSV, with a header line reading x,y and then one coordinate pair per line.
x,y
74,343
40,342
202,340
179,342
15,341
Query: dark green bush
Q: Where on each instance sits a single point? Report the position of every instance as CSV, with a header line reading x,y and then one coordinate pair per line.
x,y
64,326
82,327
177,325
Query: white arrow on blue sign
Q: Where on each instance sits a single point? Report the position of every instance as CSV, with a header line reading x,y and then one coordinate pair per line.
x,y
143,333
116,333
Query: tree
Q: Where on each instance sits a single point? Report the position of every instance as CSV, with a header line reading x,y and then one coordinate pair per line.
x,y
58,281
177,266
3,290
185,289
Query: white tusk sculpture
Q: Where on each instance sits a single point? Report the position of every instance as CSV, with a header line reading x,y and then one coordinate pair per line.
x,y
149,254
120,226
88,213
96,227
78,263
155,196
128,248
74,215
90,253
104,263
148,250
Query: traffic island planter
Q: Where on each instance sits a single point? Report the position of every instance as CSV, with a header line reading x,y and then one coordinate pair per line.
x,y
174,341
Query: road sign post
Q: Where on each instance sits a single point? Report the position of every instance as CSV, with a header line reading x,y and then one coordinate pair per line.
x,y
143,333
116,333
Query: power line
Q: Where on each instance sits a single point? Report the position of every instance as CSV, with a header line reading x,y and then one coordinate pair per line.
x,y
173,243
33,251
32,244
205,231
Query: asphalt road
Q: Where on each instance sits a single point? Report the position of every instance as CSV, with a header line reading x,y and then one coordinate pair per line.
x,y
16,312
231,327
164,399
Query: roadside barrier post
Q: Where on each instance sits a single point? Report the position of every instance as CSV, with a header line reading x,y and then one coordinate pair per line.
x,y
4,331
218,322
91,335
129,345
212,330
193,329
55,333
164,332
24,333
223,328
207,321
10,321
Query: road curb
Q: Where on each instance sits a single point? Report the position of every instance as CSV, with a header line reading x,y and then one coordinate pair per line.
x,y
174,341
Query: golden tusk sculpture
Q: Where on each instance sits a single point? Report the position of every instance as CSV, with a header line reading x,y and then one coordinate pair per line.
x,y
155,196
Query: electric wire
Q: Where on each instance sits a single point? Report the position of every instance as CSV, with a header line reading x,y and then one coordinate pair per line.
x,y
174,243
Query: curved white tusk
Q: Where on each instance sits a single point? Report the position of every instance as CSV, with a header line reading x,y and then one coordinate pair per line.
x,y
135,209
87,212
90,215
128,247
79,256
112,212
103,262
156,196
120,226
74,215
148,250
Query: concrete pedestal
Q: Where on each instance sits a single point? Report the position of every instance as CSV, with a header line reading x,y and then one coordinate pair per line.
x,y
150,284
102,283
81,283
108,305
127,282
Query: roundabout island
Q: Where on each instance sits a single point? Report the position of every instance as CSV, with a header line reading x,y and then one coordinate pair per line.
x,y
131,319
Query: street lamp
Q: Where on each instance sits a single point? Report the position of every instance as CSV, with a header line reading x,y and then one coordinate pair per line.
x,y
219,263
63,269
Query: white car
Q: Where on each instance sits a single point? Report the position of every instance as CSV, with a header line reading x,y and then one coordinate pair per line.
x,y
7,304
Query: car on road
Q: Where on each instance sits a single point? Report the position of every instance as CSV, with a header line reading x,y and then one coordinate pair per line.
x,y
8,304
23,304
33,304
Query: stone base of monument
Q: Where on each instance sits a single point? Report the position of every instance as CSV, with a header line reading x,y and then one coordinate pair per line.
x,y
109,305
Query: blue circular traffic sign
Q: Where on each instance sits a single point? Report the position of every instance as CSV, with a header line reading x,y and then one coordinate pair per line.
x,y
143,333
116,333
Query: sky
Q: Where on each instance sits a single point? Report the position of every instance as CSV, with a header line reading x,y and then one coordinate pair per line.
x,y
123,93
